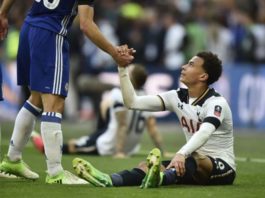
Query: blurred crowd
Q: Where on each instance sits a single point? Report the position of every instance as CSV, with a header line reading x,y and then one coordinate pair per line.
x,y
165,33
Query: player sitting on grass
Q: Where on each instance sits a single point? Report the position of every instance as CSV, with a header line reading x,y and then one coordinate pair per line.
x,y
207,158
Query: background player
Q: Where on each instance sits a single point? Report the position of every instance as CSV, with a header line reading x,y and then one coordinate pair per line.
x,y
206,119
119,130
43,65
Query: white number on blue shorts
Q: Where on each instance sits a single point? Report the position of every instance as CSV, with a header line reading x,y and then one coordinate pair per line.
x,y
50,5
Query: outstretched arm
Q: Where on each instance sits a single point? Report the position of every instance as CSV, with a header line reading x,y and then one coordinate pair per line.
x,y
4,10
91,30
131,100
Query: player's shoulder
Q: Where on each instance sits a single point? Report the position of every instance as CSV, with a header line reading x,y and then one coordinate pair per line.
x,y
116,94
215,98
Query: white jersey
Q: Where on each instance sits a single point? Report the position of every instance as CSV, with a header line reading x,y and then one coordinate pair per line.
x,y
106,143
210,107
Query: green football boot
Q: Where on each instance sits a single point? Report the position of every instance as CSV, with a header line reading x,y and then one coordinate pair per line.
x,y
65,177
86,171
153,175
18,168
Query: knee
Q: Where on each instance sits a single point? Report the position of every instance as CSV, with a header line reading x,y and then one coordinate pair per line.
x,y
142,165
35,99
53,103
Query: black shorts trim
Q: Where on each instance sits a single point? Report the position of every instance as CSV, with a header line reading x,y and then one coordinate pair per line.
x,y
222,173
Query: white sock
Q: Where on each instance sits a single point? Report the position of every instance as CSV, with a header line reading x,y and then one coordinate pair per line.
x,y
24,124
53,141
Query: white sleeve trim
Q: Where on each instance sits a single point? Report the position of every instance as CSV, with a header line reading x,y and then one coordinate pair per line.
x,y
198,139
131,100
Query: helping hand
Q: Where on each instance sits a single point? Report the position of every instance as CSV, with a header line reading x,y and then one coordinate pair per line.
x,y
124,55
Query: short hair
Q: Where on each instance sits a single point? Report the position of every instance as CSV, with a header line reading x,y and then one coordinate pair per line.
x,y
138,76
212,66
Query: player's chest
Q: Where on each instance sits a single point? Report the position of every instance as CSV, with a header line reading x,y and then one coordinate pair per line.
x,y
190,117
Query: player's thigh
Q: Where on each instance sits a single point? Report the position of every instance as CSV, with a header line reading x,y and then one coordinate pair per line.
x,y
52,103
35,99
204,168
49,66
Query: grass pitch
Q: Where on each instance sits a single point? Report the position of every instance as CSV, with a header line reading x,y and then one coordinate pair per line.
x,y
250,181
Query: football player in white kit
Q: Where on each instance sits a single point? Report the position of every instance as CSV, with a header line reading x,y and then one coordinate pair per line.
x,y
207,158
119,129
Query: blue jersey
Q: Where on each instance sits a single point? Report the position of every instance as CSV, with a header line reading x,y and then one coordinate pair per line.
x,y
55,15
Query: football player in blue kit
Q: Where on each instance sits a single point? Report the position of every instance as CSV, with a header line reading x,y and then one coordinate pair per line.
x,y
43,66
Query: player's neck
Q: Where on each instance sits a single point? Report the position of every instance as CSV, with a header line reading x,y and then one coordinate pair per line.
x,y
197,91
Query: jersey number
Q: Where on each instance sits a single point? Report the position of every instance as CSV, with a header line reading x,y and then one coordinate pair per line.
x,y
189,125
137,122
50,4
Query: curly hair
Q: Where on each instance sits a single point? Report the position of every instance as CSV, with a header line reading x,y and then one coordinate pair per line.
x,y
212,65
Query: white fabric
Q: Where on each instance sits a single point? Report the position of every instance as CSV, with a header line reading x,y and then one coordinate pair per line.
x,y
131,100
24,124
106,143
53,141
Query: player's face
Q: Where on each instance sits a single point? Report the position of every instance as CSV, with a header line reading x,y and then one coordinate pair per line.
x,y
193,72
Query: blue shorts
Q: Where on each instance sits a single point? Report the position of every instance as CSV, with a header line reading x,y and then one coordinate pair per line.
x,y
43,60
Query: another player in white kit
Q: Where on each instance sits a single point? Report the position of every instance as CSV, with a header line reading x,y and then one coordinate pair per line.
x,y
207,157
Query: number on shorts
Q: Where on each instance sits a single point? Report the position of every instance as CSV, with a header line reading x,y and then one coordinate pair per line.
x,y
51,5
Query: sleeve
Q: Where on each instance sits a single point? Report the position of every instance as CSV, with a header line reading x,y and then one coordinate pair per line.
x,y
86,2
198,139
168,98
131,100
215,111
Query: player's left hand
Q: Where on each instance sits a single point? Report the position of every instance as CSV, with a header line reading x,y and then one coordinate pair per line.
x,y
178,162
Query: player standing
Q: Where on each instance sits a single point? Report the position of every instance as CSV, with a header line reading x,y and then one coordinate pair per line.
x,y
43,65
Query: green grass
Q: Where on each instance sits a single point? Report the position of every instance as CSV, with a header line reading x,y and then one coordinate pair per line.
x,y
250,181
